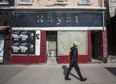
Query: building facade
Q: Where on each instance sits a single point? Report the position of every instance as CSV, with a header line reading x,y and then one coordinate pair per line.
x,y
44,30
5,27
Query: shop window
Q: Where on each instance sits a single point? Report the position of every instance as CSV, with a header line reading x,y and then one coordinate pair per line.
x,y
25,1
66,39
3,2
23,42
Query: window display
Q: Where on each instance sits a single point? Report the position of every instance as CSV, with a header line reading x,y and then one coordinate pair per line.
x,y
23,42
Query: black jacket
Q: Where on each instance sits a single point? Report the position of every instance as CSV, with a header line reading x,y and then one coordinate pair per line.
x,y
74,54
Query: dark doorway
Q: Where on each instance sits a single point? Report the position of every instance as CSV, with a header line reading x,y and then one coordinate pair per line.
x,y
111,37
96,38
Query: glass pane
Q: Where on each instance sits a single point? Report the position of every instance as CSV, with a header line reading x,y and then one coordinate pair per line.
x,y
25,0
23,42
61,0
66,39
84,1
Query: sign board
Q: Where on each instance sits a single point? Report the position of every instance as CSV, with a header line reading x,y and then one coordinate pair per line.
x,y
49,19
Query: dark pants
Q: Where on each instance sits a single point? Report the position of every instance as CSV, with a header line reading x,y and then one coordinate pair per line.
x,y
76,66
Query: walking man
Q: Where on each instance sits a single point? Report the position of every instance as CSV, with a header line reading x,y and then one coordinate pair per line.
x,y
74,63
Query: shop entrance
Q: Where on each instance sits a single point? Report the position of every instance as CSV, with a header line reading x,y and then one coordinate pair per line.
x,y
96,38
51,49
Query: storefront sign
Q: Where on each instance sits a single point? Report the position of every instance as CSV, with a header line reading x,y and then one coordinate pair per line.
x,y
58,20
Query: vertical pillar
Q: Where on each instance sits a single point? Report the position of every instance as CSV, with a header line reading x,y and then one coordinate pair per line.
x,y
43,47
105,52
89,46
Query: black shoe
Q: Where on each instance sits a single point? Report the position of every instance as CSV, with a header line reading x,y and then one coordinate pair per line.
x,y
67,79
83,79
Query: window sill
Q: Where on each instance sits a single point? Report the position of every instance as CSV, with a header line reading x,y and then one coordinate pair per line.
x,y
83,3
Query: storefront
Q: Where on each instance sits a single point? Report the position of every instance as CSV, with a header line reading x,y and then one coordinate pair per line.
x,y
41,36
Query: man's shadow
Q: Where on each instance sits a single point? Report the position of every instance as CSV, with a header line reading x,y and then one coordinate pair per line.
x,y
64,67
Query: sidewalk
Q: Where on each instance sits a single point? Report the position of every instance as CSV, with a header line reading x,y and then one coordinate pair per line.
x,y
54,74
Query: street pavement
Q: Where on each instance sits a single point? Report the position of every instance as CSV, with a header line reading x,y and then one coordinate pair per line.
x,y
97,73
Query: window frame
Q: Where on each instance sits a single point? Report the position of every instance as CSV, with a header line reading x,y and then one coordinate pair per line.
x,y
24,2
84,2
64,2
61,0
3,2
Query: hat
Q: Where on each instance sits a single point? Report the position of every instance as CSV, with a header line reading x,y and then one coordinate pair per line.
x,y
75,44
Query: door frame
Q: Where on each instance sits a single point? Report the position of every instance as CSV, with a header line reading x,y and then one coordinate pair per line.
x,y
55,36
94,56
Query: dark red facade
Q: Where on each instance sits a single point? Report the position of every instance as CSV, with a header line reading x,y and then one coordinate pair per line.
x,y
43,58
95,35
